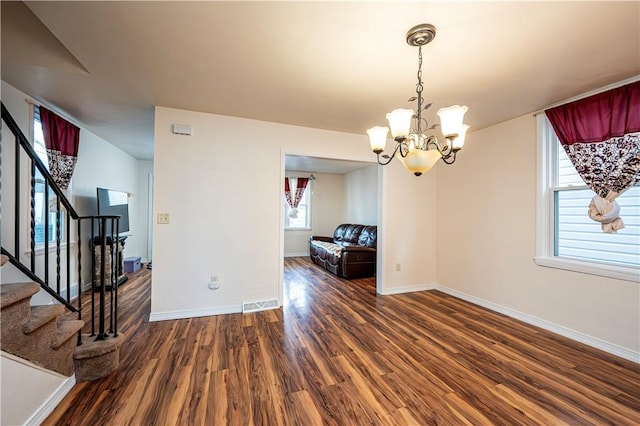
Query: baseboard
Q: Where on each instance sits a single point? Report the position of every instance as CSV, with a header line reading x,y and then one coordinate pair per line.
x,y
74,291
408,289
193,313
592,341
297,254
52,402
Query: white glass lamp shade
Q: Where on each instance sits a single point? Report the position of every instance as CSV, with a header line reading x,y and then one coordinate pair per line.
x,y
400,122
451,119
458,142
378,138
419,161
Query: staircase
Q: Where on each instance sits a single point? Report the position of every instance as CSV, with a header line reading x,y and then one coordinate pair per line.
x,y
43,334
37,333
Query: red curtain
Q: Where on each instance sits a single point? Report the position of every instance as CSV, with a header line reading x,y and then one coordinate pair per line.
x,y
294,196
601,136
62,140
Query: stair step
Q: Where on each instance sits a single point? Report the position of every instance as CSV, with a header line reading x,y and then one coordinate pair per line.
x,y
3,259
92,348
14,293
66,330
96,359
41,315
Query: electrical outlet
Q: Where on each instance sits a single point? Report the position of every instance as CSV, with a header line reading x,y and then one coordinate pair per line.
x,y
397,267
215,283
163,218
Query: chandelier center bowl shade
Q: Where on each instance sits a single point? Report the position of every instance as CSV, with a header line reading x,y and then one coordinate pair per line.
x,y
418,151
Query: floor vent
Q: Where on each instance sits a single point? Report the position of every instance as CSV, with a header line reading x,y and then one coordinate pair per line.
x,y
259,306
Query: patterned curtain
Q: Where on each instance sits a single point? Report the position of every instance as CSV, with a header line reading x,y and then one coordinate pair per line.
x,y
601,136
293,192
61,139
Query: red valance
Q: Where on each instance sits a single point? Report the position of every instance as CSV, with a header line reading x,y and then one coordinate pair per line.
x,y
598,118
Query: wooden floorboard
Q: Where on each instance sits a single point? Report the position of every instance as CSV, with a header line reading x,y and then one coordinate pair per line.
x,y
338,354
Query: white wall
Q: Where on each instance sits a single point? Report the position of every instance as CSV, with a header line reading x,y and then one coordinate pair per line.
x,y
486,239
101,164
327,206
145,170
25,389
224,223
361,196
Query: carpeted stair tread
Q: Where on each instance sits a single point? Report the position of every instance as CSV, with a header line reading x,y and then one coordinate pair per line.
x,y
41,315
14,293
95,359
91,348
66,330
3,259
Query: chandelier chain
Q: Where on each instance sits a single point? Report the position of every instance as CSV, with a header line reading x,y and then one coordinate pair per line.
x,y
419,88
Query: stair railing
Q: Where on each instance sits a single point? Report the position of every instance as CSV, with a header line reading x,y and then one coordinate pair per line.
x,y
58,215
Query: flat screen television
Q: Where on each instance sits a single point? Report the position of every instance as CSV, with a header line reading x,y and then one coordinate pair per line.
x,y
114,203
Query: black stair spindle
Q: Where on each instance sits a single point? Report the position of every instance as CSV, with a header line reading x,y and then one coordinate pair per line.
x,y
68,270
46,233
58,243
103,248
114,303
93,278
80,279
17,206
114,273
32,203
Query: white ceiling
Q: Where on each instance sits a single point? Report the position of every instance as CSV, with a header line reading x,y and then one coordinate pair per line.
x,y
328,65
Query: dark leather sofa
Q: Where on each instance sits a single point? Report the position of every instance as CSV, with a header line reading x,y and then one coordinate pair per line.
x,y
350,253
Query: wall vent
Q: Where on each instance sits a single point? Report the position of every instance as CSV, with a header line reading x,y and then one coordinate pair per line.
x,y
262,305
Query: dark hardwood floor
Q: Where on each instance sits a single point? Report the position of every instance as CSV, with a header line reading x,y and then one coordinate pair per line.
x,y
337,354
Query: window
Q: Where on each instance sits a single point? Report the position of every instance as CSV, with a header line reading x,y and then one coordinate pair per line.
x,y
567,237
303,221
41,209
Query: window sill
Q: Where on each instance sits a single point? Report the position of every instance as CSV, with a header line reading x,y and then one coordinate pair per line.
x,y
297,229
591,268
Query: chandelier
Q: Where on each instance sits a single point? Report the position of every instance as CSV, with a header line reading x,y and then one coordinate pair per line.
x,y
420,152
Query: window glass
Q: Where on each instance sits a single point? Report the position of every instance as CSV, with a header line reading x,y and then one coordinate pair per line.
x,y
575,235
304,212
41,209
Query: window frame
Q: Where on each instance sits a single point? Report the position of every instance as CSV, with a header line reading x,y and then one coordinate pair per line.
x,y
545,215
306,197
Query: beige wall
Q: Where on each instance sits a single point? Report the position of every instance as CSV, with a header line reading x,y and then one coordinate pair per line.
x,y
327,207
361,196
486,239
226,211
406,229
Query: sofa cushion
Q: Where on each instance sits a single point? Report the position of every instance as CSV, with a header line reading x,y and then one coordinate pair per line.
x,y
347,233
338,234
352,233
331,249
368,236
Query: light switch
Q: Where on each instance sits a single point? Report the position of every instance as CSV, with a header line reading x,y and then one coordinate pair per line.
x,y
163,218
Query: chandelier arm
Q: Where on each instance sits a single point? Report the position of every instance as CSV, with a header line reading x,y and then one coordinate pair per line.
x,y
445,150
384,163
450,159
433,141
403,148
